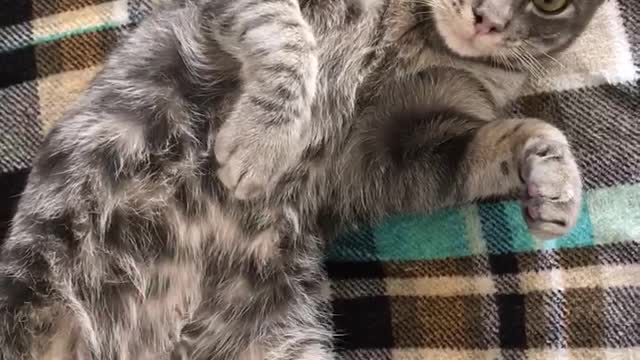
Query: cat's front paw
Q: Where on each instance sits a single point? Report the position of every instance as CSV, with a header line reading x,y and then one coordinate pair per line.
x,y
552,186
252,161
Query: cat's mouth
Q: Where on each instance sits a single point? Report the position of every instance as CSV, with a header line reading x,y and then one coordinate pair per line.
x,y
468,34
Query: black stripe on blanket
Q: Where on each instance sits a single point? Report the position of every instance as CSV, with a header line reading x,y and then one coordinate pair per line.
x,y
15,12
11,186
17,66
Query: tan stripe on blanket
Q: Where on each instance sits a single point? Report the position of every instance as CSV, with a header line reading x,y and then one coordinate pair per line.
x,y
74,53
42,8
614,254
598,276
113,12
57,92
493,354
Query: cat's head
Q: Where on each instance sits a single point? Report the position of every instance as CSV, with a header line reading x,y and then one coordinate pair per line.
x,y
510,28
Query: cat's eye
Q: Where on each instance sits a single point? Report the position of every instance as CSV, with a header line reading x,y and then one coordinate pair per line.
x,y
551,6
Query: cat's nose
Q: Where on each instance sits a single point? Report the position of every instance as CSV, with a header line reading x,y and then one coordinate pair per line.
x,y
485,25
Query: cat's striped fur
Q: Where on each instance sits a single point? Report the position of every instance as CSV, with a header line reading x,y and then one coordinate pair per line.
x,y
181,208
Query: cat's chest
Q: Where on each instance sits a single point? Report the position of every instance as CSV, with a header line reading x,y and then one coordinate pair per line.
x,y
503,85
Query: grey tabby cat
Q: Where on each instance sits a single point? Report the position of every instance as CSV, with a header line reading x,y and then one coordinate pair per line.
x,y
181,208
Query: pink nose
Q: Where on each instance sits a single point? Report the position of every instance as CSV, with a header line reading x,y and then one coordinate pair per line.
x,y
485,26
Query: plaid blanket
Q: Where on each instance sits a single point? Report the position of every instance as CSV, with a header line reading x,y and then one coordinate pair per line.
x,y
464,283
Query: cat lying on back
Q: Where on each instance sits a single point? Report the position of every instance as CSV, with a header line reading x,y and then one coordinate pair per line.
x,y
180,209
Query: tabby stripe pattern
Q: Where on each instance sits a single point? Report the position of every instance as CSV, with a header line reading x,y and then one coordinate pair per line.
x,y
464,283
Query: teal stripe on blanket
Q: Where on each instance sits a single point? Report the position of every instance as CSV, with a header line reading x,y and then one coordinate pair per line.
x,y
607,215
18,36
504,230
615,214
14,43
418,237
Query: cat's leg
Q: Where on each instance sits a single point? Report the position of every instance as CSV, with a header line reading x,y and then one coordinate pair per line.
x,y
265,132
268,303
429,160
51,305
48,314
296,340
23,292
38,311
74,272
305,331
302,333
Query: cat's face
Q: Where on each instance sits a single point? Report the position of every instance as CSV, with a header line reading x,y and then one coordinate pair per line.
x,y
510,28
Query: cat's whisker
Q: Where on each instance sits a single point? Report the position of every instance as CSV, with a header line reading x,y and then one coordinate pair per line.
x,y
546,54
507,62
532,64
526,63
544,71
516,56
422,13
563,66
498,60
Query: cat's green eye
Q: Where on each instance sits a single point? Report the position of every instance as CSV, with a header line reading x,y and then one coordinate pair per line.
x,y
551,6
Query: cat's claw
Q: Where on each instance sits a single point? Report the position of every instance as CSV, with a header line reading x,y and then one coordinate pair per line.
x,y
552,187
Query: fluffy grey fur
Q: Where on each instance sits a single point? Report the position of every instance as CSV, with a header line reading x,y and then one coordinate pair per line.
x,y
181,208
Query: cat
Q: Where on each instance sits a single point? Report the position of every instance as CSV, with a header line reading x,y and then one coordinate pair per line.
x,y
181,207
